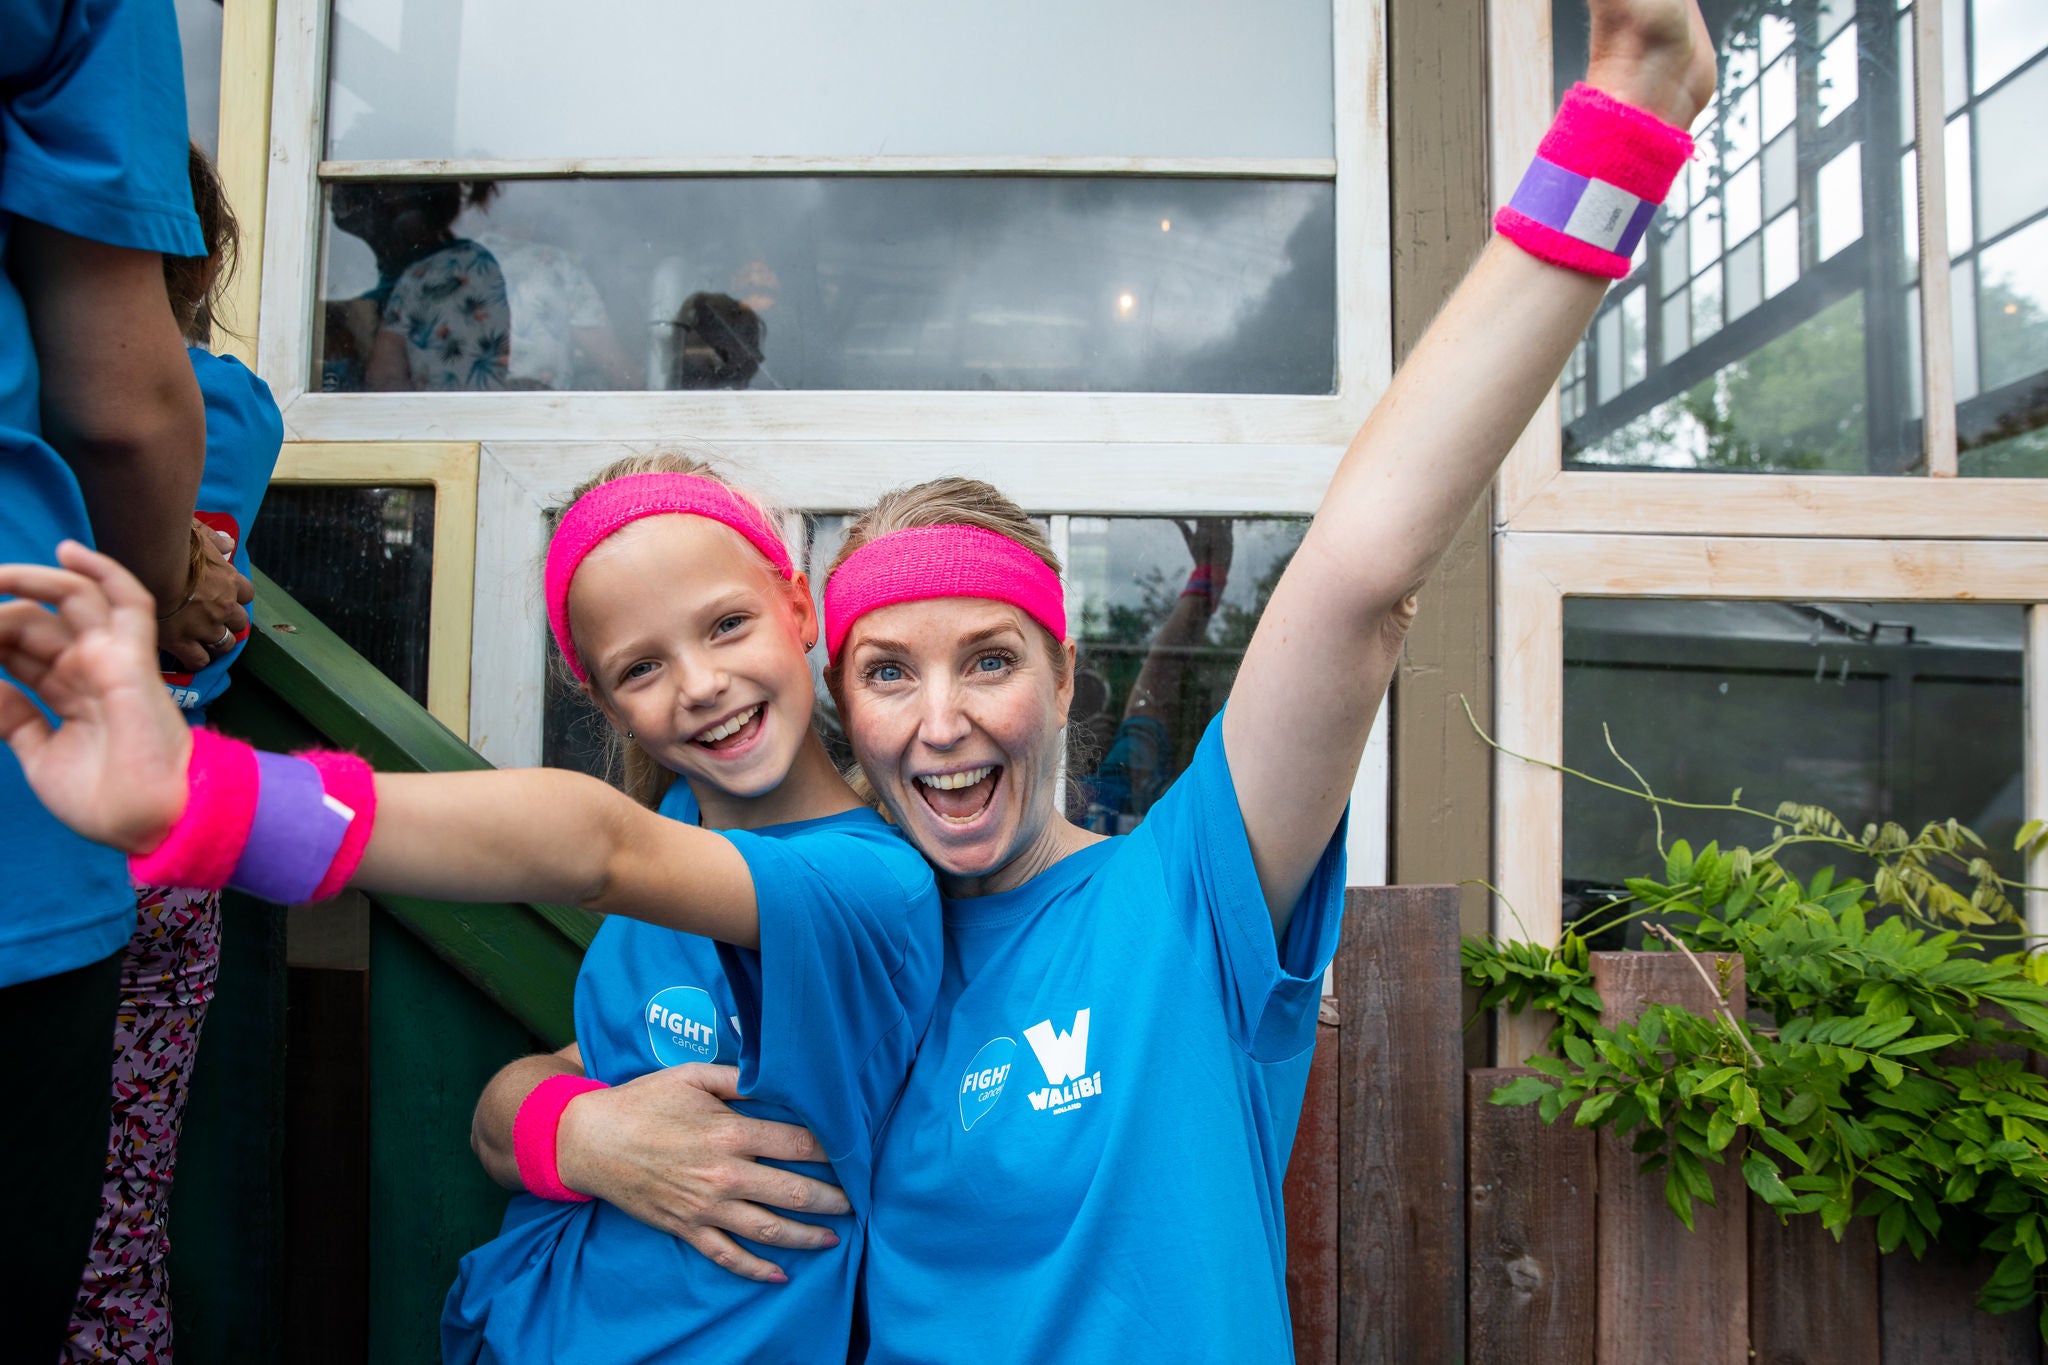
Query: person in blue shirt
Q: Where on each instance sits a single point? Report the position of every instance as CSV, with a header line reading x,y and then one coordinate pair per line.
x,y
101,438
1087,1160
679,612
123,1308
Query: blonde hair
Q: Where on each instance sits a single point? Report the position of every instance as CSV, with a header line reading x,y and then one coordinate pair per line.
x,y
625,762
950,501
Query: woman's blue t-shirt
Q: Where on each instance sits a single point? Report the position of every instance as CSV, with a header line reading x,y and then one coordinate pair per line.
x,y
244,432
92,142
1086,1163
822,1022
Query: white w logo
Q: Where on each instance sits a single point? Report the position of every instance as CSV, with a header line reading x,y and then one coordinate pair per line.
x,y
1063,1055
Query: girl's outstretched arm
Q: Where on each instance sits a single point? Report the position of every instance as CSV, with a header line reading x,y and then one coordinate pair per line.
x,y
1326,647
115,771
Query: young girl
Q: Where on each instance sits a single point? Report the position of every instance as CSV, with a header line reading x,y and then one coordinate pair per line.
x,y
676,607
123,1308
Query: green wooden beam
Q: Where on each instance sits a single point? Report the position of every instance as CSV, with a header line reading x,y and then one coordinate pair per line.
x,y
299,684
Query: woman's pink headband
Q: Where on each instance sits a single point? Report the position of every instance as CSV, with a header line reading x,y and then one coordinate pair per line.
x,y
925,562
604,509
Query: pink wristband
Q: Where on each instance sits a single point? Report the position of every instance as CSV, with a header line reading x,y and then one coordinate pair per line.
x,y
534,1130
1596,182
283,828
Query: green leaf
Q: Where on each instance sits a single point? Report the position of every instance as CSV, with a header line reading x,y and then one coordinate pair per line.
x,y
1678,863
1721,1130
1888,1071
1926,1042
1761,1174
1593,1106
1800,1107
1675,1195
1580,1051
1522,1090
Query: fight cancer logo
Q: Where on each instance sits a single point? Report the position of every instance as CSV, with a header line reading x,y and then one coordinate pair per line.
x,y
682,1026
982,1086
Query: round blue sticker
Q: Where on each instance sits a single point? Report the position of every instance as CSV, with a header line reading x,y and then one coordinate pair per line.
x,y
682,1026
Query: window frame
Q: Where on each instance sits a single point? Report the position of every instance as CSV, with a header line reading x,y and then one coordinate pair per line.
x,y
291,257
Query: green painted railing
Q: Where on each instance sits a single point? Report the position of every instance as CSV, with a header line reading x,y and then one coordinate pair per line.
x,y
326,1188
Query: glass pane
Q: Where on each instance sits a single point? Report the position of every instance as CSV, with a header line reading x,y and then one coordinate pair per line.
x,y
854,282
199,30
533,78
2001,272
1791,245
1156,655
2006,33
360,559
1905,711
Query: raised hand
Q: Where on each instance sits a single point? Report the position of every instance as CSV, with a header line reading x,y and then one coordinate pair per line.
x,y
114,769
214,613
1653,54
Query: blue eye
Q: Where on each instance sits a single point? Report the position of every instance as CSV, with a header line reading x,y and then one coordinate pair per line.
x,y
639,670
993,663
730,624
885,673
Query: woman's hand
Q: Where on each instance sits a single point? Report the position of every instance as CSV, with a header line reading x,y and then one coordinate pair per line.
x,y
115,769
666,1149
1653,54
213,614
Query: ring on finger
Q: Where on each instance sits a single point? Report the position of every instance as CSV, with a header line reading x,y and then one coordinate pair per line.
x,y
227,638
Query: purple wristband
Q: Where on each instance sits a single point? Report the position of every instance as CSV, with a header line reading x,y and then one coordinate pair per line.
x,y
1595,212
296,833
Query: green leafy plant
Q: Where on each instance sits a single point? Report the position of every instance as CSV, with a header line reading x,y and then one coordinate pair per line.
x,y
1881,1070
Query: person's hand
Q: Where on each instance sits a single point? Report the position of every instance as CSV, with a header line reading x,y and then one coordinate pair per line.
x,y
115,769
1210,541
665,1148
214,614
1654,54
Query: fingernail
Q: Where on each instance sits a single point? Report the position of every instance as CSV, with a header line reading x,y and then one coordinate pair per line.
x,y
778,1278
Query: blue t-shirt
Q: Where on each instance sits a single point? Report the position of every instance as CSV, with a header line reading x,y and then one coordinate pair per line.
x,y
850,961
244,432
92,141
1086,1163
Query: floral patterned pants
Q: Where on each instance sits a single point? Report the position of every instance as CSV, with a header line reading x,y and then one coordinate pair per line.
x,y
123,1311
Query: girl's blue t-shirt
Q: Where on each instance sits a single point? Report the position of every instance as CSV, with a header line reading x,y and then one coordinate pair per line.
x,y
1086,1164
822,1022
92,142
244,432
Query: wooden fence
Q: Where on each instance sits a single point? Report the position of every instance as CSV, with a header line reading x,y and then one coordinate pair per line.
x,y
1426,1225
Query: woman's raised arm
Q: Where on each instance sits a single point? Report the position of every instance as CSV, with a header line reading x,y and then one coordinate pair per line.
x,y
1326,647
115,771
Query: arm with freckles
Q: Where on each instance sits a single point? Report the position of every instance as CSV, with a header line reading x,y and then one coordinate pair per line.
x,y
115,772
1325,649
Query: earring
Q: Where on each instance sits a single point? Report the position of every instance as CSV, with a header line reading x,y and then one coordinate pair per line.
x,y
629,734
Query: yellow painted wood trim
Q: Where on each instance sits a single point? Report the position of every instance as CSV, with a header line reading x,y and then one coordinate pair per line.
x,y
248,38
450,466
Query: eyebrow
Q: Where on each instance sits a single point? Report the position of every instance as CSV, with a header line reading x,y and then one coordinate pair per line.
x,y
979,637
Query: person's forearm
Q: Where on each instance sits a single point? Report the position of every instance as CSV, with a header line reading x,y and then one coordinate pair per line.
x,y
490,1129
544,834
119,401
1158,680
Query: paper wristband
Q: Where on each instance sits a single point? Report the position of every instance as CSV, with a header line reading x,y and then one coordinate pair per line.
x,y
534,1130
1598,178
283,828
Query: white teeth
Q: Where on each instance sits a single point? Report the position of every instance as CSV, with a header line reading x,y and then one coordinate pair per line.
x,y
947,782
730,728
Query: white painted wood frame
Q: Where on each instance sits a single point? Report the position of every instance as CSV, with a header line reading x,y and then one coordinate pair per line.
x,y
1537,493
517,483
1364,340
1538,571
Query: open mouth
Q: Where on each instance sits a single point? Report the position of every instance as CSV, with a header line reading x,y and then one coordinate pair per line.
x,y
731,732
958,798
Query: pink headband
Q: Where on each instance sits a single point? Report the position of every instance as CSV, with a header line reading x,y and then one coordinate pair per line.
x,y
925,562
604,509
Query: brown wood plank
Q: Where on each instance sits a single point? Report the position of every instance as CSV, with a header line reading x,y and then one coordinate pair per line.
x,y
1929,1314
1529,1232
1812,1300
1442,827
1665,1294
1311,1197
1401,1129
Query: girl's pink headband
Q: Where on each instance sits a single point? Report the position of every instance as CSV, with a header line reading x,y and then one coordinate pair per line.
x,y
604,509
925,562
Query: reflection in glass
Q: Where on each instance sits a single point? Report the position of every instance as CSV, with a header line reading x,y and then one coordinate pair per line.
x,y
360,559
1161,611
199,35
1780,275
2000,283
849,282
1898,711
